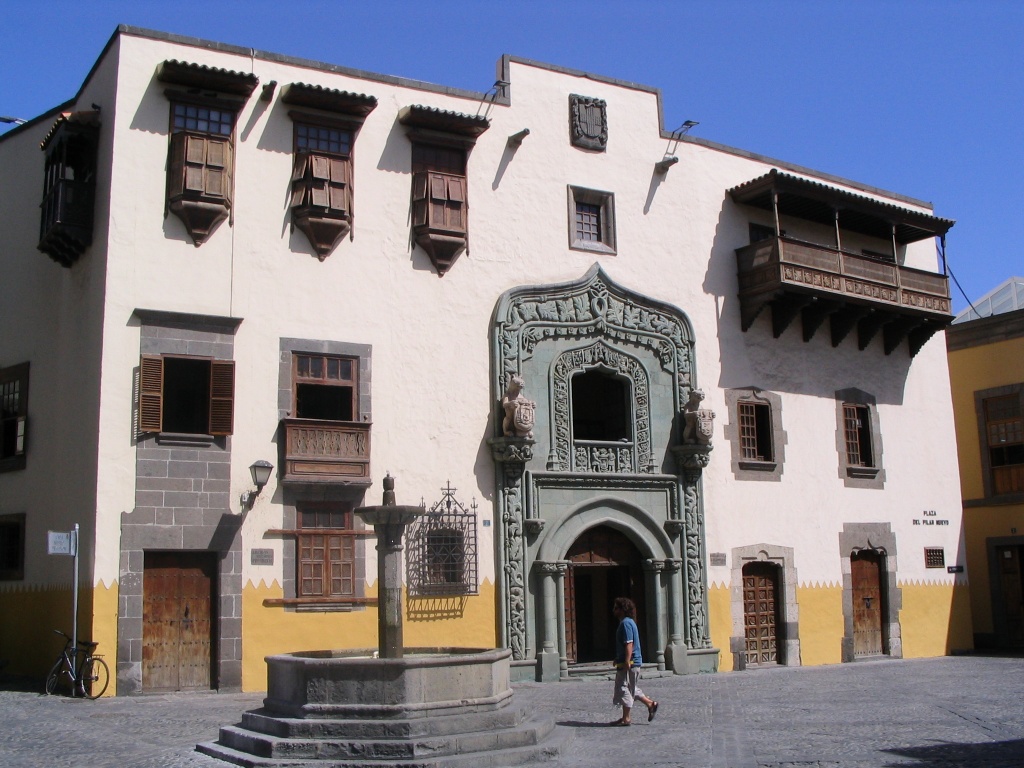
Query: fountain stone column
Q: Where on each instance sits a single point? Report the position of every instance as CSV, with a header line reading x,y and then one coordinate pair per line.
x,y
389,521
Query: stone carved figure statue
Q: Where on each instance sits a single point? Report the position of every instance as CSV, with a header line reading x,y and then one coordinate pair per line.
x,y
519,411
698,421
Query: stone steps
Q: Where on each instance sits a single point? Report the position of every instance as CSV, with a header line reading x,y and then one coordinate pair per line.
x,y
533,740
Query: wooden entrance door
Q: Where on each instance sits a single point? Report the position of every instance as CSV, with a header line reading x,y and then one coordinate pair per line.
x,y
1010,586
178,620
868,603
761,613
603,565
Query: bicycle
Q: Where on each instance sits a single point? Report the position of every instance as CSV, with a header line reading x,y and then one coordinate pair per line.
x,y
93,675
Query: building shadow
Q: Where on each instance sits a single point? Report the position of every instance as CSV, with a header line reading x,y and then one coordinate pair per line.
x,y
991,754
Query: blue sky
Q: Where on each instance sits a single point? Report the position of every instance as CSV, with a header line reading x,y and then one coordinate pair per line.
x,y
921,98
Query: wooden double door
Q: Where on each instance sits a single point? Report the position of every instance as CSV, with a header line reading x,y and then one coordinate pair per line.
x,y
603,565
762,614
178,621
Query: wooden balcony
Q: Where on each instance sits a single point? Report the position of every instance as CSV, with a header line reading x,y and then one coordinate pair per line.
x,y
818,282
336,452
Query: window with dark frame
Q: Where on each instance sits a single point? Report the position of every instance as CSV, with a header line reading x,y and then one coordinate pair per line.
x,y
592,220
326,544
1004,434
13,416
934,557
600,407
12,547
759,232
857,428
755,429
186,395
326,387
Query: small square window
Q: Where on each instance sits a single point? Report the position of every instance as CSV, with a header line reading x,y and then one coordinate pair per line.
x,y
934,557
591,220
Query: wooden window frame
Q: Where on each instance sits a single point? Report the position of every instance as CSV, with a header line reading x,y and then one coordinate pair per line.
x,y
14,381
1002,481
755,420
15,525
859,439
152,383
352,382
605,202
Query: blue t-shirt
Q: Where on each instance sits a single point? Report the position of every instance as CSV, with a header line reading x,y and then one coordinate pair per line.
x,y
626,633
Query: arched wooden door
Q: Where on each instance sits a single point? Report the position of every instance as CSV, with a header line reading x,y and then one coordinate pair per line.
x,y
869,603
761,614
603,565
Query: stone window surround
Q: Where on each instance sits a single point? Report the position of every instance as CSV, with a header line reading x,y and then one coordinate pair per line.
x,y
789,615
859,477
985,456
606,200
170,517
878,537
293,494
745,469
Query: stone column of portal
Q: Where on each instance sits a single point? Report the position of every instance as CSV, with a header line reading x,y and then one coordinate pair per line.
x,y
563,657
548,662
675,653
654,569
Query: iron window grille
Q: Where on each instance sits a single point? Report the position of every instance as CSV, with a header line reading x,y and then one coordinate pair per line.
x,y
934,557
442,553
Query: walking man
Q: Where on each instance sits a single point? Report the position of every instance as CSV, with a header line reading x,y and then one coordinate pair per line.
x,y
628,660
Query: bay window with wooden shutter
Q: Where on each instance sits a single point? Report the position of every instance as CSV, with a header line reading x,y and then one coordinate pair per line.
x,y
441,142
321,194
186,395
201,148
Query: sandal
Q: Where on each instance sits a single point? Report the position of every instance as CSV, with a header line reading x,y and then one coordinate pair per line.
x,y
652,711
621,722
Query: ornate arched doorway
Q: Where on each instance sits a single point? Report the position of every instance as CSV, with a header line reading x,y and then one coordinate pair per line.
x,y
603,564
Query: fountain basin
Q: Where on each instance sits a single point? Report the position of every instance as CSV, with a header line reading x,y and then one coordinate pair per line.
x,y
424,682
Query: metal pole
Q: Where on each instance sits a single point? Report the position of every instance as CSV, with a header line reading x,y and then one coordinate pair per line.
x,y
74,605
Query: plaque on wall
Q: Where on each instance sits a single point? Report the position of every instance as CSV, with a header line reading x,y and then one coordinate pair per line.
x,y
262,557
717,558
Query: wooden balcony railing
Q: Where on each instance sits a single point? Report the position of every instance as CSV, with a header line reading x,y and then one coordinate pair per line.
x,y
820,282
1008,479
326,451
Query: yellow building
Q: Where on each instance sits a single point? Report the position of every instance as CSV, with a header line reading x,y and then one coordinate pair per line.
x,y
986,370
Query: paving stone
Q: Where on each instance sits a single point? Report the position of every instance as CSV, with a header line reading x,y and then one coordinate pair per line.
x,y
955,712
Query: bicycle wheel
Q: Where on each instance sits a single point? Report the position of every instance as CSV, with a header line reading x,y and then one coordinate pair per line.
x,y
54,677
95,677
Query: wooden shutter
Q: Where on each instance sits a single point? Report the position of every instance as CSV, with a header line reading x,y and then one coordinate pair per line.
x,y
176,165
300,185
195,164
419,198
151,393
218,161
339,184
456,203
222,397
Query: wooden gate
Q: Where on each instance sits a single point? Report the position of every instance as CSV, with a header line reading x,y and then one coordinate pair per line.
x,y
869,606
178,620
603,565
1010,586
761,613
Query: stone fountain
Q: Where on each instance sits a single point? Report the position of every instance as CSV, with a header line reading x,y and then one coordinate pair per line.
x,y
399,706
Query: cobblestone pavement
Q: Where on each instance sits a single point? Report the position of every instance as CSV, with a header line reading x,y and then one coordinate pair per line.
x,y
933,713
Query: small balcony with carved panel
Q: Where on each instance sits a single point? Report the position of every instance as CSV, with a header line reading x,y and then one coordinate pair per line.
x,y
326,452
865,288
